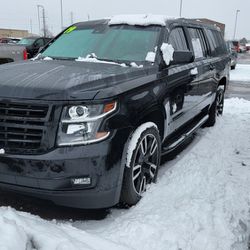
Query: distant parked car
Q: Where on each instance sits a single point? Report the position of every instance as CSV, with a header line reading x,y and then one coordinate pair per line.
x,y
248,46
9,40
236,45
12,53
233,54
33,44
242,48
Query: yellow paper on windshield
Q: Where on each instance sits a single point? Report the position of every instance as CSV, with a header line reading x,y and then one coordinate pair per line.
x,y
70,29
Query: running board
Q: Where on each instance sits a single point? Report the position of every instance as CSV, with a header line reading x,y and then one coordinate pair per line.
x,y
178,142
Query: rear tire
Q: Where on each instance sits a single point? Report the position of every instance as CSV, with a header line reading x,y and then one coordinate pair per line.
x,y
143,160
216,108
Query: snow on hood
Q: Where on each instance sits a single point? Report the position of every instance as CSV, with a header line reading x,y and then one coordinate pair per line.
x,y
143,19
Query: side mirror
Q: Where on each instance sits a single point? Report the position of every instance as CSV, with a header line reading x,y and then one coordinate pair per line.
x,y
181,57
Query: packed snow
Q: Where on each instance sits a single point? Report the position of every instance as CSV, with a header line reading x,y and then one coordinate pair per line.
x,y
167,52
142,20
201,201
150,57
241,73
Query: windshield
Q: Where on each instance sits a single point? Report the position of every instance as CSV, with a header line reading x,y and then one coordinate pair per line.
x,y
122,42
26,41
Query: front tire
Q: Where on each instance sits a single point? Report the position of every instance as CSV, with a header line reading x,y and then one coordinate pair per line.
x,y
143,160
216,108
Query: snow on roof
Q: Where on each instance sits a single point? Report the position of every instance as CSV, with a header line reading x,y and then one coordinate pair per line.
x,y
143,19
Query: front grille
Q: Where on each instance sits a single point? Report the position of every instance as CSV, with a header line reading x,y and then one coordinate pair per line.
x,y
22,126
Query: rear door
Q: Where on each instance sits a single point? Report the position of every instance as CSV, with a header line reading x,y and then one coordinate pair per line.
x,y
204,66
218,57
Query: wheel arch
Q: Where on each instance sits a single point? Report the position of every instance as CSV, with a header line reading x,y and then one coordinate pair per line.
x,y
156,116
223,82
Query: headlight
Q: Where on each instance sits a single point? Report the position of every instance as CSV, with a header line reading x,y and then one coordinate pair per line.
x,y
80,124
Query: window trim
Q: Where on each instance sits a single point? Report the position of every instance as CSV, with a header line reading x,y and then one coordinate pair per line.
x,y
184,32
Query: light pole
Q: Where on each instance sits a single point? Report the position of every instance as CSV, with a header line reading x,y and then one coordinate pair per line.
x,y
236,20
61,14
44,25
181,8
38,14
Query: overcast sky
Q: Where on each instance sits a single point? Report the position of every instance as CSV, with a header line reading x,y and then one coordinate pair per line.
x,y
19,13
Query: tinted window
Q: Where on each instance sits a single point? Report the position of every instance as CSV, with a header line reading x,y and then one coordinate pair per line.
x,y
216,42
178,40
39,43
198,42
26,41
220,42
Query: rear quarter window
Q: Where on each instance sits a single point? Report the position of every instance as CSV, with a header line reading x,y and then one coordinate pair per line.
x,y
216,42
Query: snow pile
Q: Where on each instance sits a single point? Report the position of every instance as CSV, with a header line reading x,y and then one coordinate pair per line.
x,y
201,201
22,231
142,20
168,52
241,73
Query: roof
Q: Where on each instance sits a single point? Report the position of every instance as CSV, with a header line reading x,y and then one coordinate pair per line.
x,y
141,19
146,20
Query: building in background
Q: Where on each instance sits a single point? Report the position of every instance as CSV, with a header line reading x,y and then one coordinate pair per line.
x,y
222,26
13,33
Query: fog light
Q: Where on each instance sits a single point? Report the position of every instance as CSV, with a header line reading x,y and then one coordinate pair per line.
x,y
81,181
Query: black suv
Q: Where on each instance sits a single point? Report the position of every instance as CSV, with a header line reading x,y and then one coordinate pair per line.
x,y
85,124
33,44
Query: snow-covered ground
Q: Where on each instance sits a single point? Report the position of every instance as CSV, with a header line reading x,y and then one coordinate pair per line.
x,y
241,73
201,201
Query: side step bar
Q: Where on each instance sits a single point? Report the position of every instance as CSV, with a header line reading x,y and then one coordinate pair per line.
x,y
178,142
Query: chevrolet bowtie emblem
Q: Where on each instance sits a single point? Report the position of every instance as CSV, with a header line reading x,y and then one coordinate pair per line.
x,y
2,151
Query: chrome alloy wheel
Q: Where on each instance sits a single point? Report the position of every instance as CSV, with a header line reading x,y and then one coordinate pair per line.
x,y
144,168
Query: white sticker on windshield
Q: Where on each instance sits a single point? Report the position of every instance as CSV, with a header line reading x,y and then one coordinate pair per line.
x,y
151,56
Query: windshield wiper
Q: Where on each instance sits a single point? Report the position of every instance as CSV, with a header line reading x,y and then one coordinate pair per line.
x,y
63,58
93,55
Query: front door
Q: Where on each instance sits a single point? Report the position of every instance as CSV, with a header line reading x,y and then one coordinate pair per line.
x,y
182,83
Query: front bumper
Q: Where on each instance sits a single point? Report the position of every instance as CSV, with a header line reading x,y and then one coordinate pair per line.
x,y
49,176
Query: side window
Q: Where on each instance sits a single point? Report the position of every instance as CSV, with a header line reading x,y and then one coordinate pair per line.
x,y
212,42
39,42
217,43
178,40
198,42
221,46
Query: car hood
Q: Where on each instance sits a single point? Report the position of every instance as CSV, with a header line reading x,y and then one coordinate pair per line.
x,y
67,80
